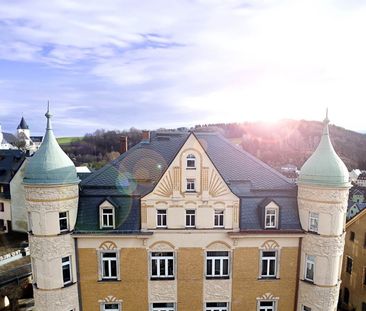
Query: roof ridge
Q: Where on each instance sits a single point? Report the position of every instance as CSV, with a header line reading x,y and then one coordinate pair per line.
x,y
255,159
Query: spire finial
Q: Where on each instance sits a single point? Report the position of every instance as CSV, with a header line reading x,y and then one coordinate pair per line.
x,y
48,116
326,120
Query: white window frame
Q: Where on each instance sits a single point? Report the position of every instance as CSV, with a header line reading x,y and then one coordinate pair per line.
x,y
313,222
66,217
163,308
161,221
222,259
190,215
111,217
103,304
267,308
192,159
109,260
309,260
190,185
217,308
162,260
66,264
272,213
269,259
219,215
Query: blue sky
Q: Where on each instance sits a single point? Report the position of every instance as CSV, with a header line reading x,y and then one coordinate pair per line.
x,y
152,64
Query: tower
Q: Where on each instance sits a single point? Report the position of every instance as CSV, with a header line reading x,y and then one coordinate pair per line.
x,y
51,189
323,186
23,131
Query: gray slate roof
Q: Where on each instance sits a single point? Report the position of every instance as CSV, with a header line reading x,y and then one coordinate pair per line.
x,y
10,162
10,138
136,172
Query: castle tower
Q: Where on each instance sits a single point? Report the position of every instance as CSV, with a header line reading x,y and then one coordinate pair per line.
x,y
51,189
322,199
23,131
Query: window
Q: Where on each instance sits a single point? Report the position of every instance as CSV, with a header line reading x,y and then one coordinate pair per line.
x,y
1,206
107,217
216,306
352,236
66,270
162,265
219,219
364,276
364,241
217,264
111,307
349,265
305,308
191,185
270,218
364,306
190,218
266,305
109,265
346,296
268,264
309,268
161,218
313,222
191,161
63,221
163,306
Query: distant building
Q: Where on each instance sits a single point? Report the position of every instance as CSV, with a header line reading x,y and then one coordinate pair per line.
x,y
353,175
10,162
361,180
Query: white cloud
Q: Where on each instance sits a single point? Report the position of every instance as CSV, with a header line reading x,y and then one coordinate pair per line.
x,y
225,60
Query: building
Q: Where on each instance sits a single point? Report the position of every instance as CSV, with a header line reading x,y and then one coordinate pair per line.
x,y
185,221
353,292
361,180
10,162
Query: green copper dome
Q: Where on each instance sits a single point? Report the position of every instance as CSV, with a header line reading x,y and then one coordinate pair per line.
x,y
324,167
50,165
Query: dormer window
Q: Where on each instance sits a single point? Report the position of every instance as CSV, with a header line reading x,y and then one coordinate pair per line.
x,y
107,217
191,161
270,218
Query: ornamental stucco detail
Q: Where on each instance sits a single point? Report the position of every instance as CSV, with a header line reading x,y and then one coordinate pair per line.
x,y
162,291
54,206
323,246
323,195
217,289
319,298
51,193
51,247
60,299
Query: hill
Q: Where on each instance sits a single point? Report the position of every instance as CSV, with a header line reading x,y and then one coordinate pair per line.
x,y
277,144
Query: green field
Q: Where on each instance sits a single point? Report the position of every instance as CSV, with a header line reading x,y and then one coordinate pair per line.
x,y
67,140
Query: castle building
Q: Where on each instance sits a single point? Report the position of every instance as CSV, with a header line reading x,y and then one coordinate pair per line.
x,y
186,221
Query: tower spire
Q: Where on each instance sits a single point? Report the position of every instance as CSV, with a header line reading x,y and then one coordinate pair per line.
x,y
48,116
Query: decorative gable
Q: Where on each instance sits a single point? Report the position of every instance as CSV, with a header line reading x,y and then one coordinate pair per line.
x,y
191,182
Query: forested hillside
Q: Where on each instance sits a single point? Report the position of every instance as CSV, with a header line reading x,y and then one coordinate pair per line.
x,y
277,144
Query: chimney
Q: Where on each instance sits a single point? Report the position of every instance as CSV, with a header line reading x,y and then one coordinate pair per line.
x,y
145,136
124,144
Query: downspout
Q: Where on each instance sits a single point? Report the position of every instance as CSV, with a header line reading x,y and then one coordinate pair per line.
x,y
298,274
78,272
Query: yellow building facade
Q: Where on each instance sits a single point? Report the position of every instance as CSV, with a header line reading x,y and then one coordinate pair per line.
x,y
353,292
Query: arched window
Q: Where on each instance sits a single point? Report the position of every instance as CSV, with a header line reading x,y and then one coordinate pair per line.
x,y
191,161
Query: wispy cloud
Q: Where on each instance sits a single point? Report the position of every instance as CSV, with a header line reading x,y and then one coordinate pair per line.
x,y
178,62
